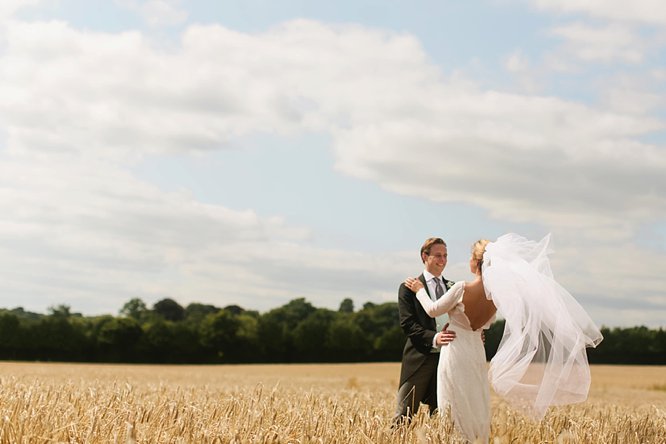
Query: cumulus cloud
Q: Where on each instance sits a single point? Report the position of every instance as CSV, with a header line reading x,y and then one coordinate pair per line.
x,y
524,158
528,77
605,44
640,11
603,37
9,7
94,235
116,96
157,12
621,292
636,94
80,107
517,63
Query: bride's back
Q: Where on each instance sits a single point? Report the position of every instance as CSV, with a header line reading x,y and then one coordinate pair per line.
x,y
478,309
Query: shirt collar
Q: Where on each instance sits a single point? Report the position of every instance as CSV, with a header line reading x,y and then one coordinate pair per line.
x,y
429,276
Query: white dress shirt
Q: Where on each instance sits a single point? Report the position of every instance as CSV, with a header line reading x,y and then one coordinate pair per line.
x,y
440,321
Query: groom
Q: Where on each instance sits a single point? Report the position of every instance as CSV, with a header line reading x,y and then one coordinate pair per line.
x,y
425,335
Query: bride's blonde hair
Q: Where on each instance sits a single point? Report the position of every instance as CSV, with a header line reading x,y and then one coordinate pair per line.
x,y
478,248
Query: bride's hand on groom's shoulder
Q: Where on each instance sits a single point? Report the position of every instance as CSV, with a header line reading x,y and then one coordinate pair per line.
x,y
413,284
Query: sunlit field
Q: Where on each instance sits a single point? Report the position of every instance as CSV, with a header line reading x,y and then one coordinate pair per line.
x,y
79,403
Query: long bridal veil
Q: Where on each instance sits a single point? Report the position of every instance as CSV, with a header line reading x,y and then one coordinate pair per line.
x,y
541,360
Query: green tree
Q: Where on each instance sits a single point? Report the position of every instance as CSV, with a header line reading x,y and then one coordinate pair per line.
x,y
374,319
196,312
218,332
60,311
346,306
10,336
55,338
660,346
158,340
20,313
247,336
136,309
389,345
310,336
234,309
186,345
117,339
276,330
346,341
169,310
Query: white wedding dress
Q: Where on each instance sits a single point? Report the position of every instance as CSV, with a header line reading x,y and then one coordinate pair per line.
x,y
541,360
462,372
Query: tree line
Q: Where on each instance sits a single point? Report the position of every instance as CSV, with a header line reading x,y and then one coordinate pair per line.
x,y
295,332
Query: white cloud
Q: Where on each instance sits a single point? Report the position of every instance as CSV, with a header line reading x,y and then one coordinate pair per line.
x,y
517,62
157,12
114,95
8,8
524,158
641,11
606,287
610,43
92,234
605,36
633,96
79,107
519,65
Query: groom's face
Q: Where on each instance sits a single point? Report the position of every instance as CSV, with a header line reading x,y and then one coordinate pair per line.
x,y
436,260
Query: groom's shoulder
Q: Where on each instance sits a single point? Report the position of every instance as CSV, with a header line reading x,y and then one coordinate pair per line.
x,y
418,276
402,288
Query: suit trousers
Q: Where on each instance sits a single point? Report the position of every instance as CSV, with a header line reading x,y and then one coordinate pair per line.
x,y
420,387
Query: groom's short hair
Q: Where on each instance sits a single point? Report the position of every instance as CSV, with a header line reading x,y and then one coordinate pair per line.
x,y
427,245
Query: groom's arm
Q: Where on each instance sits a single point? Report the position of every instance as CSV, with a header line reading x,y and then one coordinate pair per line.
x,y
421,337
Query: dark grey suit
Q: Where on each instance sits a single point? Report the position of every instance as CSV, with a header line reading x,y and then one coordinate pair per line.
x,y
418,372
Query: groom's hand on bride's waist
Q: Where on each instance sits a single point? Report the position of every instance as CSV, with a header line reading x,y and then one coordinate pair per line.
x,y
445,336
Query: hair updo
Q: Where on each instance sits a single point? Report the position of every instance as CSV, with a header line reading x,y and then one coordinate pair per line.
x,y
478,248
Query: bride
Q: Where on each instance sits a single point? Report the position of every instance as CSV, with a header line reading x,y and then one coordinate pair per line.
x,y
541,360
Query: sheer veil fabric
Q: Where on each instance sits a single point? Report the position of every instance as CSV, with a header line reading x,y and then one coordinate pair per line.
x,y
541,360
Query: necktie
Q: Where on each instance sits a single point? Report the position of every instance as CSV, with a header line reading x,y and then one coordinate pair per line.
x,y
439,291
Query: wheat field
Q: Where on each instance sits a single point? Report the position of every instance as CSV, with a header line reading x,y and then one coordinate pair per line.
x,y
342,403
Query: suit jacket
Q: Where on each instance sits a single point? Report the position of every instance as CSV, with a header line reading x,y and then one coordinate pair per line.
x,y
419,328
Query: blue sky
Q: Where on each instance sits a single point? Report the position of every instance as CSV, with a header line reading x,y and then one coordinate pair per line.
x,y
253,152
